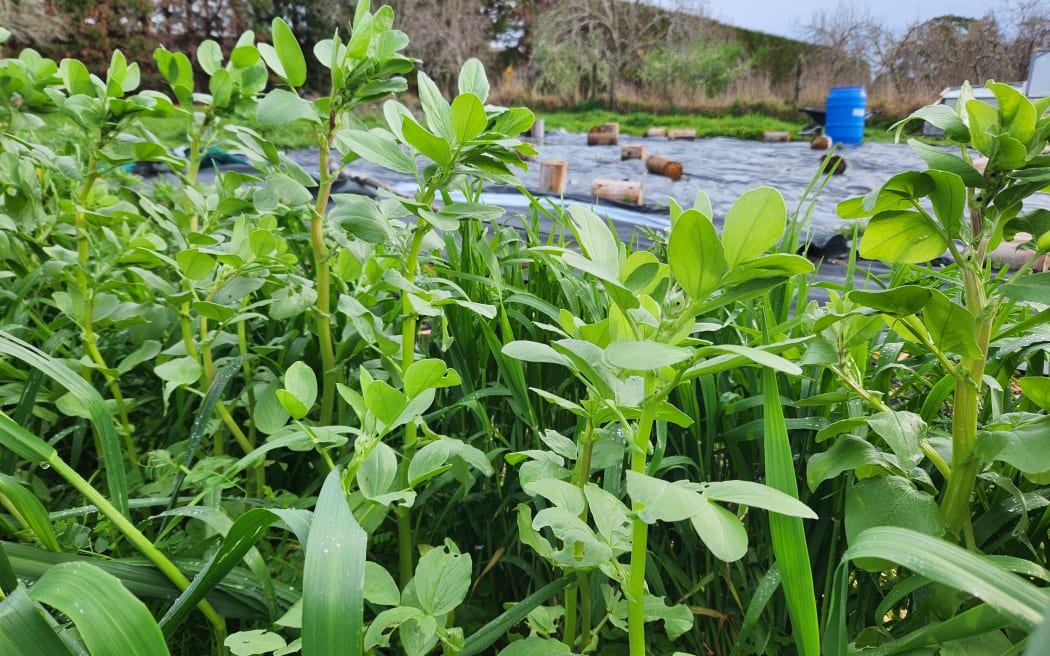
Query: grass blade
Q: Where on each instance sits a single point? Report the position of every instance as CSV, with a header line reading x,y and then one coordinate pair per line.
x,y
239,540
110,620
955,567
334,577
28,510
24,631
484,637
788,534
112,453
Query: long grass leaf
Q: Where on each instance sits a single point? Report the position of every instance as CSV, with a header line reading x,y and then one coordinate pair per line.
x,y
200,422
759,600
954,567
788,533
236,597
487,635
112,451
972,622
24,631
28,510
240,539
334,577
1039,642
109,619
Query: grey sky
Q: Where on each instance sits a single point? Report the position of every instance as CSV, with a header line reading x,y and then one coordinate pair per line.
x,y
788,17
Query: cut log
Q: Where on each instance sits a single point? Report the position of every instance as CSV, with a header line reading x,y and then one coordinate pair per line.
x,y
632,151
607,134
664,166
833,164
656,132
602,138
536,131
553,174
627,191
820,142
682,133
776,137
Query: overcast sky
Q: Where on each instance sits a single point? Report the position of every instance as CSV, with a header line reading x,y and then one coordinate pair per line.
x,y
788,17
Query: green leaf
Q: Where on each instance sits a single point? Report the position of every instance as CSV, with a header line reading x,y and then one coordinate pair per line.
x,y
300,382
110,620
76,78
696,256
27,511
535,646
754,223
662,500
941,160
194,264
644,355
536,352
889,501
333,576
901,301
945,118
597,242
429,373
756,495
1017,115
209,56
380,588
756,355
378,473
1036,390
721,531
902,431
472,79
289,52
361,217
847,453
24,631
952,327
425,142
560,493
902,236
281,106
384,401
1020,440
468,117
442,580
580,547
435,108
512,122
954,567
179,371
949,200
1032,288
254,642
496,629
378,147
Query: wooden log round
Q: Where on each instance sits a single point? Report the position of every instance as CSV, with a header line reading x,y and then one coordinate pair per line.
x,y
833,164
632,151
602,138
664,166
682,133
553,175
656,132
776,136
627,191
820,142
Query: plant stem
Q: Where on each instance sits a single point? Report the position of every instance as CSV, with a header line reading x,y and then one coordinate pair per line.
x,y
322,273
639,529
137,539
87,294
405,542
955,504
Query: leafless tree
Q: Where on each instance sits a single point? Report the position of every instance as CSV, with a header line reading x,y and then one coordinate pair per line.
x,y
849,36
444,34
602,39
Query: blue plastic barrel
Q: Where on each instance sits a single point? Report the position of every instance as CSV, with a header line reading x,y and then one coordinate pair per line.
x,y
846,109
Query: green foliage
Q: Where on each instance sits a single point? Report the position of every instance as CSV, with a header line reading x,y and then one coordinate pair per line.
x,y
511,442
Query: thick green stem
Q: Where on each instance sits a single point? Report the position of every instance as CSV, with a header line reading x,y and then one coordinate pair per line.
x,y
569,636
405,542
955,504
136,538
323,278
639,530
